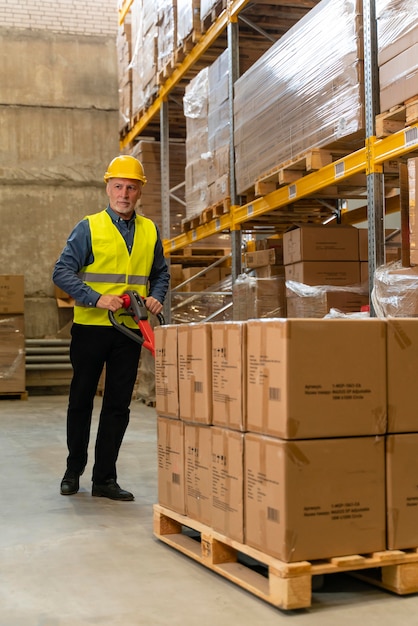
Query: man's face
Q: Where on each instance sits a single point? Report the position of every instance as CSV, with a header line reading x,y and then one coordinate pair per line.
x,y
123,194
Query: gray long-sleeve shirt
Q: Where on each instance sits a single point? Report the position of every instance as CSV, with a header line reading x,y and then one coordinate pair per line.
x,y
78,252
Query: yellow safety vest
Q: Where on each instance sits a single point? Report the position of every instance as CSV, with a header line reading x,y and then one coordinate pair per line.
x,y
114,270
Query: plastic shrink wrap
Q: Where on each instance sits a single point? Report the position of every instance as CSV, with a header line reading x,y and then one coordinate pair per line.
x,y
395,290
306,91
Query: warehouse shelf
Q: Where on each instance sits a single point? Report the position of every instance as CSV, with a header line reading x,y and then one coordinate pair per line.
x,y
358,174
207,40
366,160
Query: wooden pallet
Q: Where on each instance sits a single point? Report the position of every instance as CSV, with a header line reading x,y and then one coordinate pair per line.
x,y
219,208
212,15
14,395
285,585
397,118
210,213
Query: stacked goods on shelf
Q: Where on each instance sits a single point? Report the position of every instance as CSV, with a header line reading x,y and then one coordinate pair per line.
x,y
148,152
12,335
261,291
322,270
273,433
306,91
255,298
207,137
206,7
167,33
144,53
395,290
195,104
218,130
188,20
397,24
124,52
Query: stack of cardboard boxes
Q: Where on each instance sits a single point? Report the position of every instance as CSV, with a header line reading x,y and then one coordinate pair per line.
x,y
325,257
12,335
283,434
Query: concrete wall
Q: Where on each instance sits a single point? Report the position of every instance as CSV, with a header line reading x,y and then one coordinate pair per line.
x,y
59,129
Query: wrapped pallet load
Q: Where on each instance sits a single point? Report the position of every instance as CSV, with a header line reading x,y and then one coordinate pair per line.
x,y
305,92
397,27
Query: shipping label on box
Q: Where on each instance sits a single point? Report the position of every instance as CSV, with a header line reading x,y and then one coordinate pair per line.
x,y
195,373
170,447
314,499
314,378
166,371
229,374
402,491
227,469
198,457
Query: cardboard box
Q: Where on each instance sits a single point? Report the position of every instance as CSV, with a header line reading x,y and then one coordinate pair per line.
x,y
227,471
206,281
261,258
314,378
198,456
338,273
166,371
12,294
318,303
229,374
171,478
12,354
398,78
315,499
402,491
402,368
64,301
195,373
259,297
313,242
176,274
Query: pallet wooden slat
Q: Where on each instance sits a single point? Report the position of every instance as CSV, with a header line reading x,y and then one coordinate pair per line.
x,y
286,585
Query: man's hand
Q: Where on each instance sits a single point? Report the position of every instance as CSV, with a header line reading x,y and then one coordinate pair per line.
x,y
111,303
153,305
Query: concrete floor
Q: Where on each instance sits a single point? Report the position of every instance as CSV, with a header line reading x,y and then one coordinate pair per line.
x,y
78,560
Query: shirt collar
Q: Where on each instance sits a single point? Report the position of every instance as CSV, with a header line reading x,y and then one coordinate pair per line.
x,y
116,218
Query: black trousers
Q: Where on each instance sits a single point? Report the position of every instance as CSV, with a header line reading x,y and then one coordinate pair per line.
x,y
91,348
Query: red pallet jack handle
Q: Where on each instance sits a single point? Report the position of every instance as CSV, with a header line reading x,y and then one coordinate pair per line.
x,y
134,305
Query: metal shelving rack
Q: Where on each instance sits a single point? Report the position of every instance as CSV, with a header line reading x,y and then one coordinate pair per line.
x,y
369,160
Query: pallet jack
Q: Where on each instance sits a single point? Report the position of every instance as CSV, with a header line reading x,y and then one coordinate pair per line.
x,y
134,306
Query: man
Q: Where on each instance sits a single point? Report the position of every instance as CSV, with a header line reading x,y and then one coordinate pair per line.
x,y
106,254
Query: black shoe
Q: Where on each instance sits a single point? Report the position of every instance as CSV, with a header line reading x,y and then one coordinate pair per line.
x,y
110,489
70,484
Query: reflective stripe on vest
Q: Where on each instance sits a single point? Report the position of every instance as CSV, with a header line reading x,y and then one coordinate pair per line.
x,y
114,270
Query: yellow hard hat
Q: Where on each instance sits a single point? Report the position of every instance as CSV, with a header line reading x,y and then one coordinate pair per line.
x,y
125,166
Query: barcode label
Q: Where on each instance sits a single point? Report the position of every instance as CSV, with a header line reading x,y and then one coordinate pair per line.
x,y
339,169
411,136
292,191
198,386
272,514
274,394
175,478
